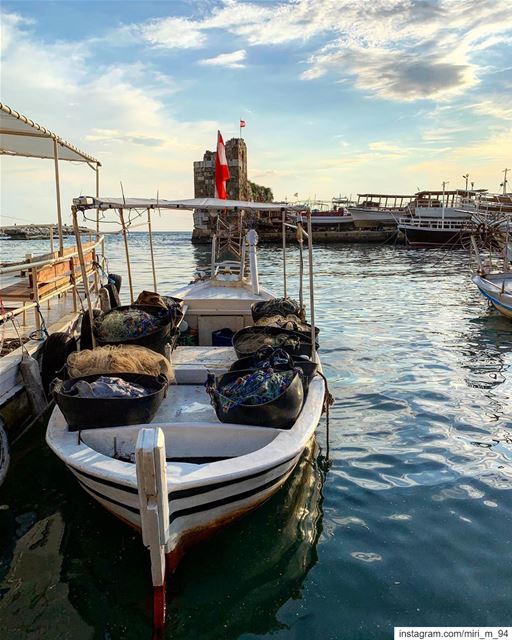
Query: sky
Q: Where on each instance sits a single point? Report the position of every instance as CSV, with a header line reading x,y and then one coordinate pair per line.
x,y
339,96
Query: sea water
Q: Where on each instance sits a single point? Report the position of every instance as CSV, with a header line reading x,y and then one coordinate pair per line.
x,y
410,525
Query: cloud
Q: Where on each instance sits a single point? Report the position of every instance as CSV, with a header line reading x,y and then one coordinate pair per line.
x,y
169,33
395,75
231,60
395,49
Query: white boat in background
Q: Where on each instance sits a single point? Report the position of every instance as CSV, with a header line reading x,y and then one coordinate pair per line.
x,y
207,473
378,210
492,251
497,289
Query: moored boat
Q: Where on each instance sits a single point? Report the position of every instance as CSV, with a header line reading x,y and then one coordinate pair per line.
x,y
38,294
378,210
209,472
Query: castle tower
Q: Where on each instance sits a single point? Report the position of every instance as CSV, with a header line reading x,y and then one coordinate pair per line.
x,y
237,186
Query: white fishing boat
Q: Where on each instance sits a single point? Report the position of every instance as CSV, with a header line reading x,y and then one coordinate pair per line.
x,y
203,473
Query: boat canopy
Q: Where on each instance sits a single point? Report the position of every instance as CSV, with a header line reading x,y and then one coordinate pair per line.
x,y
20,136
84,203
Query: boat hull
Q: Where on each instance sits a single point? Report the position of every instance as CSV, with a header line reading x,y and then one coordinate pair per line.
x,y
425,237
368,219
493,288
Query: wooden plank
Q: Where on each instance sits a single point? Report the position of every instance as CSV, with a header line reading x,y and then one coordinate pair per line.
x,y
17,291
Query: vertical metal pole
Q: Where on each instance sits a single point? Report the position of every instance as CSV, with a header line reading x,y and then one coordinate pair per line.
x,y
283,231
151,250
127,253
311,288
85,280
97,196
51,239
214,256
57,188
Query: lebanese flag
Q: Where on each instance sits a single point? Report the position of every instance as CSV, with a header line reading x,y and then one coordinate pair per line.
x,y
221,169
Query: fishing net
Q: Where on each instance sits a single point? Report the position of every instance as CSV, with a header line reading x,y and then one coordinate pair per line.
x,y
276,307
257,387
291,321
152,298
252,342
126,324
119,359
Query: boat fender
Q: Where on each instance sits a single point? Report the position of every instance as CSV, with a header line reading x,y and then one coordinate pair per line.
x,y
85,329
57,348
4,453
104,298
113,293
31,376
116,280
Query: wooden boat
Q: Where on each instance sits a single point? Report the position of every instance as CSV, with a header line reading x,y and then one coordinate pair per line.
x,y
378,210
211,472
38,294
435,232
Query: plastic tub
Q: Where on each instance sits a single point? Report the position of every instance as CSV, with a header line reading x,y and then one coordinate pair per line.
x,y
154,340
97,413
280,413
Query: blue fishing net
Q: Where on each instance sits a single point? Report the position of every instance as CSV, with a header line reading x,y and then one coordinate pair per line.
x,y
258,387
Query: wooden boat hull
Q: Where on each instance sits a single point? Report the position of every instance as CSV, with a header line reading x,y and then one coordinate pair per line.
x,y
368,219
425,237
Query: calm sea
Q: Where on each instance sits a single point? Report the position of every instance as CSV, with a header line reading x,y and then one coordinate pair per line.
x,y
411,525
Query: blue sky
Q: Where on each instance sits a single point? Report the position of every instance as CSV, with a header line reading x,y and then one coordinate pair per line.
x,y
339,96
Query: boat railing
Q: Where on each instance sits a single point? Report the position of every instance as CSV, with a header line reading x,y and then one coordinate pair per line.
x,y
434,223
46,277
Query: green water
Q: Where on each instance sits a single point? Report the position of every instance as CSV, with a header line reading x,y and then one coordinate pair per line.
x,y
410,526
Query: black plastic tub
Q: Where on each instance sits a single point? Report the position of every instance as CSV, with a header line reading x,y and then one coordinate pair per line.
x,y
279,413
301,342
97,413
154,340
250,363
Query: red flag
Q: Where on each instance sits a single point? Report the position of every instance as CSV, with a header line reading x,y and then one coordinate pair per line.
x,y
242,124
221,169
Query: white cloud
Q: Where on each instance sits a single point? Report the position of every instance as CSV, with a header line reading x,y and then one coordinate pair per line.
x,y
169,33
232,60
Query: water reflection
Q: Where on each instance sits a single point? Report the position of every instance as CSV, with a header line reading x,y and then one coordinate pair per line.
x,y
80,569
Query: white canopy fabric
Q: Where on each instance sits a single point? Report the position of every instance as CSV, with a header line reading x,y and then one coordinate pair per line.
x,y
20,136
88,202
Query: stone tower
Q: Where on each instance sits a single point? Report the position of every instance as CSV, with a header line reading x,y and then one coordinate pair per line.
x,y
237,186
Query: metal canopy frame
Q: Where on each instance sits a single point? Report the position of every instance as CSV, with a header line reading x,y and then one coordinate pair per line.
x,y
15,128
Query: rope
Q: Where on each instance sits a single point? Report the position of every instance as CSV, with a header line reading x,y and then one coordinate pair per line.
x,y
43,330
328,401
